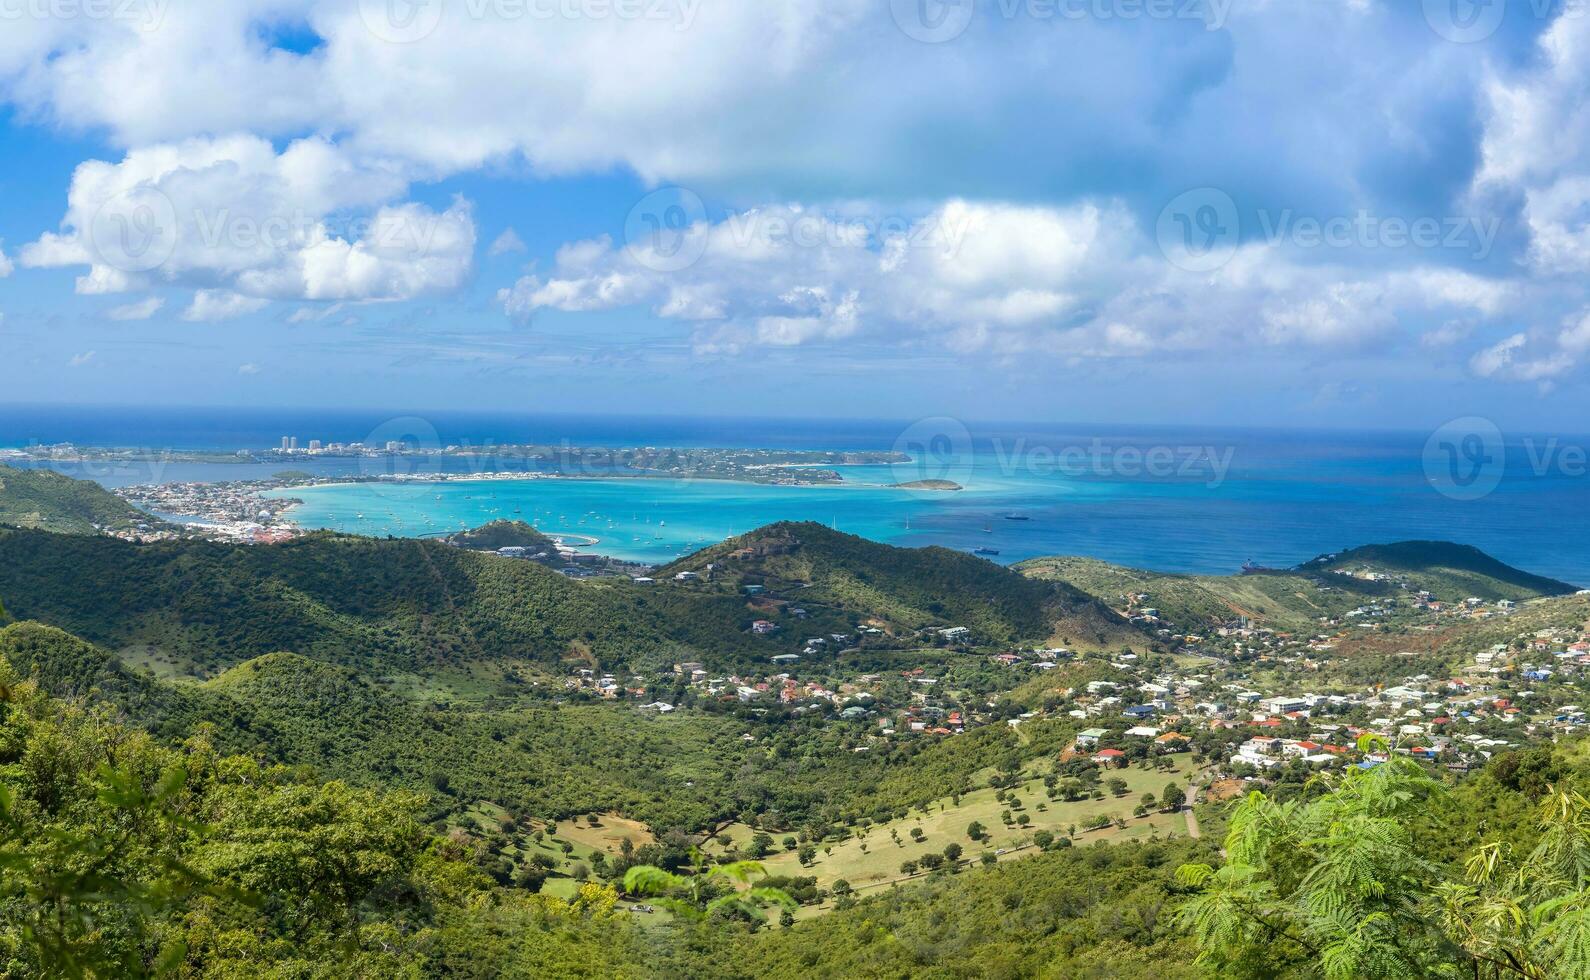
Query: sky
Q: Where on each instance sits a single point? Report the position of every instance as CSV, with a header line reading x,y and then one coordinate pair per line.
x,y
1355,213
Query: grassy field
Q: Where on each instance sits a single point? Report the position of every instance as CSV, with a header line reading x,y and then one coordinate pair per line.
x,y
872,857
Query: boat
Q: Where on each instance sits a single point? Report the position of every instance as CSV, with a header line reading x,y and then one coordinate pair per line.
x,y
1017,517
993,552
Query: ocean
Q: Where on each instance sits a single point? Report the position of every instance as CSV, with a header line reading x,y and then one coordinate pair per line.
x,y
1168,498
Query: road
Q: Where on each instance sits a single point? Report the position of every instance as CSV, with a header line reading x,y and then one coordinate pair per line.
x,y
1192,819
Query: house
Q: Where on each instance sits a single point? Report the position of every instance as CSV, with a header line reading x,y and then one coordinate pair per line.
x,y
763,627
1142,731
1282,705
1109,757
956,633
1140,711
1090,737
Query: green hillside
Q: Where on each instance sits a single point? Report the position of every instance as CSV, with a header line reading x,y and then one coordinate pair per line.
x,y
390,604
402,605
48,500
1294,598
1451,571
904,588
503,534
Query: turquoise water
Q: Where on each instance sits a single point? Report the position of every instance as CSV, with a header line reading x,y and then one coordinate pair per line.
x,y
1281,502
1286,497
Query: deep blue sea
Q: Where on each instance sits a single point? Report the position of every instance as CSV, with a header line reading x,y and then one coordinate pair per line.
x,y
1168,498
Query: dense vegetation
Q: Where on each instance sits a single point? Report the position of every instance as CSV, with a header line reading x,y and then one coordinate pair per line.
x,y
399,604
907,588
503,534
1295,598
45,499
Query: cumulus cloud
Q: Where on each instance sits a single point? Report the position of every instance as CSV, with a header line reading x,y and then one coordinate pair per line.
x,y
210,305
811,99
233,214
141,310
506,243
1080,281
6,265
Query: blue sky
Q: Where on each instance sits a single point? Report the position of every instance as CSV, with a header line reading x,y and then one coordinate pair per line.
x,y
1327,212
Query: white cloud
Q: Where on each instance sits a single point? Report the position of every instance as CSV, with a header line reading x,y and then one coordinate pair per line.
x,y
248,369
6,265
78,360
141,310
1082,281
506,243
311,222
210,305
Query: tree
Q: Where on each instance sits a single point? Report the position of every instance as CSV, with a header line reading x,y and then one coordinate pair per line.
x,y
908,867
697,894
932,861
761,845
1023,819
806,855
1147,801
952,852
1336,885
975,831
1043,838
1173,798
1116,785
917,834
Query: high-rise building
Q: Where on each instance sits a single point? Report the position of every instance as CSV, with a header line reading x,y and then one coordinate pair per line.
x,y
286,443
314,445
293,443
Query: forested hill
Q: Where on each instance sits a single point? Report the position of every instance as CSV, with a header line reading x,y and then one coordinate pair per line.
x,y
1451,571
1330,585
403,604
816,566
43,499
